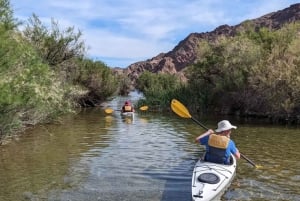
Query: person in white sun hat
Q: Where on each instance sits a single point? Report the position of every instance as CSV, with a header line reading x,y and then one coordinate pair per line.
x,y
218,144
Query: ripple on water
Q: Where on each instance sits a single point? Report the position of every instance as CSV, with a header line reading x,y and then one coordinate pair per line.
x,y
93,157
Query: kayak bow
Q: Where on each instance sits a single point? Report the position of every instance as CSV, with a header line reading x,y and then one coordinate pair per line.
x,y
210,180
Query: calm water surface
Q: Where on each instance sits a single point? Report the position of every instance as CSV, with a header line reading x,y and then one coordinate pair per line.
x,y
97,157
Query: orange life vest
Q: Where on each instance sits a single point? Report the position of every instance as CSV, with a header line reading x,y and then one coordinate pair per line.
x,y
218,141
217,145
127,108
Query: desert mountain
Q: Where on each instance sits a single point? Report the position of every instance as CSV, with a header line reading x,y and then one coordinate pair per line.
x,y
184,54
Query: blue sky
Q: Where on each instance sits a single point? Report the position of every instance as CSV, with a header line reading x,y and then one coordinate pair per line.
x,y
122,32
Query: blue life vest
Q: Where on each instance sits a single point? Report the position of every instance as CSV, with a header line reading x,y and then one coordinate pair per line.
x,y
217,146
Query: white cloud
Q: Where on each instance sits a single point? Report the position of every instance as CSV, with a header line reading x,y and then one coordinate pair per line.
x,y
110,45
125,30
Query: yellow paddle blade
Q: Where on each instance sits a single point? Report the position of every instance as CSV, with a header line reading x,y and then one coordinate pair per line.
x,y
144,108
180,109
258,166
108,110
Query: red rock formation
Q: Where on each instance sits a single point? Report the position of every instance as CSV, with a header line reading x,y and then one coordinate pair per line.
x,y
184,53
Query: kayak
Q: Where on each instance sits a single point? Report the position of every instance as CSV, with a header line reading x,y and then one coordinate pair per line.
x,y
127,114
211,180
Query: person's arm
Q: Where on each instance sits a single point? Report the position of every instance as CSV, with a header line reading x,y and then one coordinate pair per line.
x,y
237,154
235,151
210,131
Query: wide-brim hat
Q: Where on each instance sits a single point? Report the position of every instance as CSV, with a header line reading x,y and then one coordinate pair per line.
x,y
224,126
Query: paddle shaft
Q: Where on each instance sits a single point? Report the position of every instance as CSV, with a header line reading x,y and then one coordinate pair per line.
x,y
196,121
248,160
182,111
109,110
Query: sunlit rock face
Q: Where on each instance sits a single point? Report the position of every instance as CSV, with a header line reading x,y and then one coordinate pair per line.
x,y
185,53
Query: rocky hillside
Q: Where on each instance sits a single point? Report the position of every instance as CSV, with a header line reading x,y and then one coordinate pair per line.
x,y
184,53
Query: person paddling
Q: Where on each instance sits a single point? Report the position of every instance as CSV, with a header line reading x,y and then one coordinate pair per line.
x,y
218,144
127,107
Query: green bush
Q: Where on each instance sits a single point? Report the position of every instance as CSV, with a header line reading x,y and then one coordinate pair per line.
x,y
30,91
158,89
252,73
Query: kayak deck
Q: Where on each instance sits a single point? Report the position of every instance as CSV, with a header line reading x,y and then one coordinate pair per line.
x,y
210,180
127,114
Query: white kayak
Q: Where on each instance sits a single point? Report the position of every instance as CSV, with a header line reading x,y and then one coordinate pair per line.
x,y
210,180
127,114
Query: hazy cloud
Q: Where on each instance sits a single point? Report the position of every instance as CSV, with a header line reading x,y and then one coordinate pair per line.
x,y
120,32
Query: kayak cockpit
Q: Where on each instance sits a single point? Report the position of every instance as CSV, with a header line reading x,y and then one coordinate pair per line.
x,y
210,180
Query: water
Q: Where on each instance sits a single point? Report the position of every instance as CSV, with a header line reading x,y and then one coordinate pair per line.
x,y
97,157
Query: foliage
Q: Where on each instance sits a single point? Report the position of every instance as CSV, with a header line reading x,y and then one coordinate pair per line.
x,y
124,86
7,20
224,71
158,89
97,78
252,73
30,91
277,78
54,45
63,51
43,73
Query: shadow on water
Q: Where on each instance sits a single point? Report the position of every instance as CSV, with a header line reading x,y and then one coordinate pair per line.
x,y
178,177
178,186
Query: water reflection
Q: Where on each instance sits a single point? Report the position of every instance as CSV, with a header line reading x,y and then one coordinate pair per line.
x,y
277,150
42,157
127,119
94,156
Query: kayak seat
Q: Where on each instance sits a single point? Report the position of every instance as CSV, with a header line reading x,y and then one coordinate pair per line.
x,y
220,161
209,178
231,160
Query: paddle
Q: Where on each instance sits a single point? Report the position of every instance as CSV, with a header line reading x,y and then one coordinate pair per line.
x,y
144,108
110,110
182,111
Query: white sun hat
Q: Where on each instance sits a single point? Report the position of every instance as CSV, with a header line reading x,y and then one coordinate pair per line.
x,y
224,126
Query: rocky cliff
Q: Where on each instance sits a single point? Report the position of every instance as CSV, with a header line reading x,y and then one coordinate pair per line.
x,y
184,53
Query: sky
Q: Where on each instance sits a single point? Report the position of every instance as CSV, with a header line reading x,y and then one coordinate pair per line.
x,y
122,32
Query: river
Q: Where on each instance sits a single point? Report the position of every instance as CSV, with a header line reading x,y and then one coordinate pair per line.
x,y
93,156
